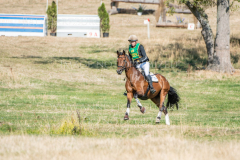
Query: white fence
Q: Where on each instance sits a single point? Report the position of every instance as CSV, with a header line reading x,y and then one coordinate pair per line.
x,y
23,25
78,26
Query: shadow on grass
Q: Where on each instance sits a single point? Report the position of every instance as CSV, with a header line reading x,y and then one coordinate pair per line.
x,y
182,56
28,57
89,62
235,42
194,56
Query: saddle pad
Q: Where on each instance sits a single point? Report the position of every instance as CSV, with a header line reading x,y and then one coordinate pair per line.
x,y
154,78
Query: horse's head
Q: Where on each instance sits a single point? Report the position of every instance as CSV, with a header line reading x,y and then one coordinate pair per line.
x,y
122,62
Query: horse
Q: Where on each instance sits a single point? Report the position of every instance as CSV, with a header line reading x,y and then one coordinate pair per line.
x,y
137,87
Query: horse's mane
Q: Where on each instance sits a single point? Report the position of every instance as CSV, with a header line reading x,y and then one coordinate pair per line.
x,y
132,64
129,59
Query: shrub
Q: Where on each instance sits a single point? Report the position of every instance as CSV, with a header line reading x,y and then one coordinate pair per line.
x,y
104,18
141,8
52,17
101,10
73,125
105,23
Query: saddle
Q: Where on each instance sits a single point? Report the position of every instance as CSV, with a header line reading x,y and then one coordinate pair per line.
x,y
153,76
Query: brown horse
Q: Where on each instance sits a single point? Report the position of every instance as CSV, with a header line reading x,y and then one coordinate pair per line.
x,y
137,87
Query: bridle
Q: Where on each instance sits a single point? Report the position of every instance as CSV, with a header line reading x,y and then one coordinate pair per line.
x,y
125,63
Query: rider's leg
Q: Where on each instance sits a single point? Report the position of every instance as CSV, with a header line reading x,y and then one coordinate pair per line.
x,y
145,66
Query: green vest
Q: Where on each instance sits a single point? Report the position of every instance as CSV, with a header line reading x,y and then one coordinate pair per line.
x,y
134,51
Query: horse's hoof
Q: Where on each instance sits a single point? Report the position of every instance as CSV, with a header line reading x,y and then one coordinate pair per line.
x,y
143,110
126,117
158,120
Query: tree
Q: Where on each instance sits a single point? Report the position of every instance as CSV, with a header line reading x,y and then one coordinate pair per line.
x,y
220,61
104,18
105,23
52,17
101,10
218,50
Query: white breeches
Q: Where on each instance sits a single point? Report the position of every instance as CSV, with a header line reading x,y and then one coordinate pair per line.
x,y
144,66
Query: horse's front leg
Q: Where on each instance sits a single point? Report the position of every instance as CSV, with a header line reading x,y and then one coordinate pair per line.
x,y
142,109
129,100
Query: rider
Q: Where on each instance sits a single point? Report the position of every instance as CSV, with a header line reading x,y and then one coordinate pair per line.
x,y
140,59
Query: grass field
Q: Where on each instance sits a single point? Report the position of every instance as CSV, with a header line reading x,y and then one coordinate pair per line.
x,y
45,80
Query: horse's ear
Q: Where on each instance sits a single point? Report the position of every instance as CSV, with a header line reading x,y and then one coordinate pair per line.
x,y
117,53
123,52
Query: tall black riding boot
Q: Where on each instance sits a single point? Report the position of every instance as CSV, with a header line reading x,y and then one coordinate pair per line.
x,y
149,79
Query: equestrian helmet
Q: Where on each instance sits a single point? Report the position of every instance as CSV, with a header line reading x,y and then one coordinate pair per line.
x,y
132,38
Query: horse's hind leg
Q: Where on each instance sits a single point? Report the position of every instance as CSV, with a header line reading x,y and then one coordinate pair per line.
x,y
156,100
163,95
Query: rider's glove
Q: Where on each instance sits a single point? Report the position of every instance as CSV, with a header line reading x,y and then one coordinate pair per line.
x,y
135,63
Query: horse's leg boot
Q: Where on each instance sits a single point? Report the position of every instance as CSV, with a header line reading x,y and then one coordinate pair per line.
x,y
163,108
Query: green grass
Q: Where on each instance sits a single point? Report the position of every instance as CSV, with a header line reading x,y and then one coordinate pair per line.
x,y
205,103
44,88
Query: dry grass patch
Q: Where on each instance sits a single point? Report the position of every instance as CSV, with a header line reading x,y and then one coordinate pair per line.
x,y
144,147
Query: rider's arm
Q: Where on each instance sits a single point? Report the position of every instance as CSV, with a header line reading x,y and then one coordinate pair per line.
x,y
142,53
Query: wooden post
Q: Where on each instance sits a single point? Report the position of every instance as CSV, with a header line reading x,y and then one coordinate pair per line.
x,y
157,13
161,11
195,21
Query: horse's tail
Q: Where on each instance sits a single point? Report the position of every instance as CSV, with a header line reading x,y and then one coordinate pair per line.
x,y
173,97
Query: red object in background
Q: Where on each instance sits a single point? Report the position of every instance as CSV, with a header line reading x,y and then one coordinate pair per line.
x,y
148,20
